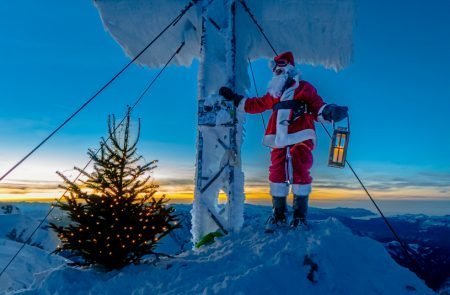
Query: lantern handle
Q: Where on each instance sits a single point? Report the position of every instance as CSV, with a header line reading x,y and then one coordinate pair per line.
x,y
333,123
348,122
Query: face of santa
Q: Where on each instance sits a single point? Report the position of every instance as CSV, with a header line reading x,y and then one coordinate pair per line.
x,y
280,75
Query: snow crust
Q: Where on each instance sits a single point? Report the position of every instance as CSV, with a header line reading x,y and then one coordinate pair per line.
x,y
329,259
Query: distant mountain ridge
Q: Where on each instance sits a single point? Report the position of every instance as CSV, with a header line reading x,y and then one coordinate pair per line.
x,y
426,235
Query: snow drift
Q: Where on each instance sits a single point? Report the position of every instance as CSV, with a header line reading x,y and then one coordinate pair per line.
x,y
329,259
17,222
30,262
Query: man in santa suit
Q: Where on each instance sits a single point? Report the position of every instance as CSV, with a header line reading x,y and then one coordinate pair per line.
x,y
290,134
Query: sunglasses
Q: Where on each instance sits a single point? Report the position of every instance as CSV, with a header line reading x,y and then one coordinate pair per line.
x,y
278,71
279,65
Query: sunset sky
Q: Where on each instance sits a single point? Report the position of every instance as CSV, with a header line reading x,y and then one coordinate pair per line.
x,y
55,54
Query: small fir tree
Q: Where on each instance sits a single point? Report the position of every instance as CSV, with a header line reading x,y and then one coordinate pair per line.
x,y
115,219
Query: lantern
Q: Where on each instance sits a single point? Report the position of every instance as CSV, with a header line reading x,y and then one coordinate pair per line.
x,y
339,146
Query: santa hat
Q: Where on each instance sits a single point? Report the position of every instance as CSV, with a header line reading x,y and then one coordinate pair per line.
x,y
282,60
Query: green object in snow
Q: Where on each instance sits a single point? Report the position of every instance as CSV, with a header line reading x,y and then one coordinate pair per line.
x,y
208,239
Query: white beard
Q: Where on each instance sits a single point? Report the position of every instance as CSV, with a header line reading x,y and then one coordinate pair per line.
x,y
276,85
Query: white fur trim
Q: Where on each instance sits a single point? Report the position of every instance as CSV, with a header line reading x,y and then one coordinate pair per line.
x,y
289,168
241,106
320,117
279,189
283,116
288,94
292,138
301,189
282,128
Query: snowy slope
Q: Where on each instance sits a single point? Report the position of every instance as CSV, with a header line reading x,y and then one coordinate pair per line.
x,y
8,209
329,259
26,266
24,219
17,222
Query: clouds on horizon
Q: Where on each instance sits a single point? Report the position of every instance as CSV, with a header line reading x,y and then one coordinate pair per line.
x,y
422,185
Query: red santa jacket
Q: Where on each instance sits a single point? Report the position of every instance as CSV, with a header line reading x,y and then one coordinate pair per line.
x,y
278,134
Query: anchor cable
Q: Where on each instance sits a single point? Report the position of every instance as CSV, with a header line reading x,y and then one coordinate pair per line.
x,y
256,90
386,221
247,9
88,101
24,242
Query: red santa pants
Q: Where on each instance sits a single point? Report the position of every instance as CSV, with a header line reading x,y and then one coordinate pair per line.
x,y
291,165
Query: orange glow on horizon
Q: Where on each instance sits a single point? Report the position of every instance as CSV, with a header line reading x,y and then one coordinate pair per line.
x,y
184,194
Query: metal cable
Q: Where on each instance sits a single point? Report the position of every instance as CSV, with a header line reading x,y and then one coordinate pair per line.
x,y
247,9
172,23
404,247
256,90
386,221
89,162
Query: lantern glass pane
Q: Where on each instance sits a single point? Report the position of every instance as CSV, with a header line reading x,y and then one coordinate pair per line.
x,y
338,148
342,140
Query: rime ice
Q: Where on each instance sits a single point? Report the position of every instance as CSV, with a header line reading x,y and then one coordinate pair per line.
x,y
317,32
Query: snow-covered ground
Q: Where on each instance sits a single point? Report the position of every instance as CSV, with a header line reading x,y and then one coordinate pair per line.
x,y
329,259
31,261
20,223
16,224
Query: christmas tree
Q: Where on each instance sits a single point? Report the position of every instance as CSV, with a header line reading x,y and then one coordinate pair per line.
x,y
115,218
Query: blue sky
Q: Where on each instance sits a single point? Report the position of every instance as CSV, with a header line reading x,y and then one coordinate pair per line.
x,y
56,53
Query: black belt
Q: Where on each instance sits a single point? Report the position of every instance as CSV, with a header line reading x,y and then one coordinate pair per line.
x,y
295,105
298,108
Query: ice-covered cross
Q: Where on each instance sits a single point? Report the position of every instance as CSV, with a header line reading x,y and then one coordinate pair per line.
x,y
220,34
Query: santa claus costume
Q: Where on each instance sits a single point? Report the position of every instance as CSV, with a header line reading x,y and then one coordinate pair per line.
x,y
290,134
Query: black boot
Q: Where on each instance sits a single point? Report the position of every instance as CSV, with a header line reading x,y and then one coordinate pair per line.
x,y
278,217
300,205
